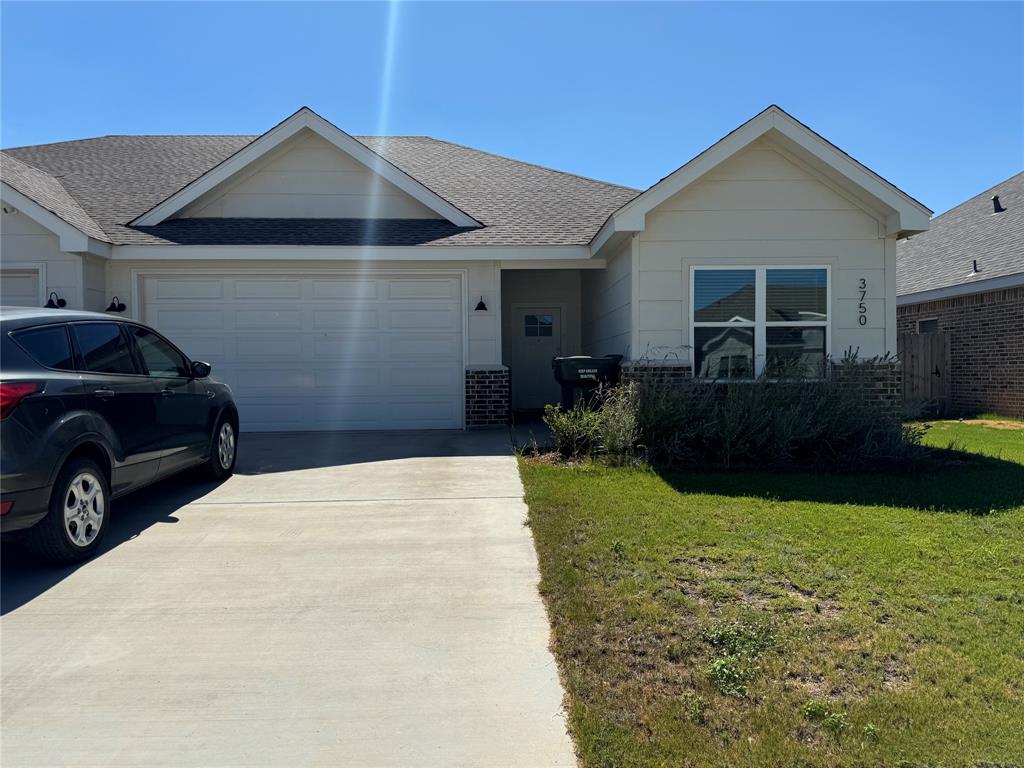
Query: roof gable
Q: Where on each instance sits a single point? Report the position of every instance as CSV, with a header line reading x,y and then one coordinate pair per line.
x,y
232,169
900,212
308,177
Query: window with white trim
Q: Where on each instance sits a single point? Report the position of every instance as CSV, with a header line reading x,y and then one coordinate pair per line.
x,y
749,320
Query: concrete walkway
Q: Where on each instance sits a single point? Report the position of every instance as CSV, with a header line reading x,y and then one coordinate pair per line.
x,y
343,600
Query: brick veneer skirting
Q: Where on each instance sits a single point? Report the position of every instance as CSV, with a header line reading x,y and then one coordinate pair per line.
x,y
487,397
660,372
986,336
880,380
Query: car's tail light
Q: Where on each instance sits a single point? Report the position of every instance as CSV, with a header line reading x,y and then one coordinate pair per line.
x,y
13,392
5,507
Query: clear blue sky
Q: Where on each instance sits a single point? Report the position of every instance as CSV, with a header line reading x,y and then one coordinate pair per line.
x,y
930,95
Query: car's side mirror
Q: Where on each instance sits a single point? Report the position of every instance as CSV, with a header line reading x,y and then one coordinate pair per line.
x,y
200,369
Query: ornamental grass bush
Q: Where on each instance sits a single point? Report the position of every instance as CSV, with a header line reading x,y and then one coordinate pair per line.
x,y
780,420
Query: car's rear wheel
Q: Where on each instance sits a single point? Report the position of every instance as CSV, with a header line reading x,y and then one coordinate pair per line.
x,y
223,448
79,514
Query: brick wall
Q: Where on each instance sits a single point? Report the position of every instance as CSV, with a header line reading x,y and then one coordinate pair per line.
x,y
659,372
487,397
986,330
880,381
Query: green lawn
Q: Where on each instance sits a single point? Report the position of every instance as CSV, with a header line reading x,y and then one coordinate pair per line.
x,y
851,620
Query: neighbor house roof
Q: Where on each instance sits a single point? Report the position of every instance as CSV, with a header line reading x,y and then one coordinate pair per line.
x,y
48,192
944,256
116,179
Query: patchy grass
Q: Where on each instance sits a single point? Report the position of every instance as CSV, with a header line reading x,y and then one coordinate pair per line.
x,y
752,619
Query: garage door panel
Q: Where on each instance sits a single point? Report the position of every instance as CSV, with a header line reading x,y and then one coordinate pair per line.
x,y
184,289
423,289
337,319
431,379
187,318
421,346
273,320
266,348
267,289
19,288
347,348
346,289
420,319
319,353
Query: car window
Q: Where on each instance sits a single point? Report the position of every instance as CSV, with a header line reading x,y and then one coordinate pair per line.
x,y
103,348
48,346
158,357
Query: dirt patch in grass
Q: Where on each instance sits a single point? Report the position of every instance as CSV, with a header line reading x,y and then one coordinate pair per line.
x,y
994,423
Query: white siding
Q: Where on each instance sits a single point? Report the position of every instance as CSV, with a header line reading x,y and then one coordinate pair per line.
x,y
482,279
309,178
94,282
24,245
760,207
607,305
548,287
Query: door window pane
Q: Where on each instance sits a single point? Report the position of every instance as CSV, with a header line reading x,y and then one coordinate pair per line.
x,y
48,346
538,325
159,357
724,352
723,295
796,351
103,348
796,295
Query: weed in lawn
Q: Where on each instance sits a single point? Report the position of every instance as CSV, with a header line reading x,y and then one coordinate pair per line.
x,y
870,732
696,708
731,675
736,638
833,721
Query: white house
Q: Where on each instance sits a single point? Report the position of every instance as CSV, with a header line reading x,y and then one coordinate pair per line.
x,y
338,282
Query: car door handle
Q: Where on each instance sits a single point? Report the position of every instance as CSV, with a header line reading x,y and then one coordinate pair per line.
x,y
104,394
166,392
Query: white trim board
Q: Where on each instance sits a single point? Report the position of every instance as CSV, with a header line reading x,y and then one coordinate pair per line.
x,y
353,253
305,118
964,289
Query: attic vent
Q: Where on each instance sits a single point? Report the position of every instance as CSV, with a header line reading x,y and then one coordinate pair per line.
x,y
997,207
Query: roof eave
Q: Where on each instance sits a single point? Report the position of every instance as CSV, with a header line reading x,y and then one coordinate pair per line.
x,y
70,238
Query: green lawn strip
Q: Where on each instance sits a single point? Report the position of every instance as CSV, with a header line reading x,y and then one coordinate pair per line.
x,y
900,616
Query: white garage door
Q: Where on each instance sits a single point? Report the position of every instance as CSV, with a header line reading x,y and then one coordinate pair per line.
x,y
322,353
19,288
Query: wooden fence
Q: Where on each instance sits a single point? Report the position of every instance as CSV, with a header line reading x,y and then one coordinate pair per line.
x,y
925,358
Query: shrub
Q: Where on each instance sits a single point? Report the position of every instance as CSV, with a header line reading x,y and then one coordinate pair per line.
x,y
618,424
577,432
784,421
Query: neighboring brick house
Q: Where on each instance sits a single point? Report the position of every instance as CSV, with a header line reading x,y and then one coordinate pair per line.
x,y
965,277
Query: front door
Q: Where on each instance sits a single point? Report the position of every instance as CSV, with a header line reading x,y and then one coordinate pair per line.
x,y
538,338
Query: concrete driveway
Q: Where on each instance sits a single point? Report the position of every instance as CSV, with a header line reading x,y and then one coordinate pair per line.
x,y
344,600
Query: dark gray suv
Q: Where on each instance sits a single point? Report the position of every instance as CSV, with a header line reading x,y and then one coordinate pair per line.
x,y
92,407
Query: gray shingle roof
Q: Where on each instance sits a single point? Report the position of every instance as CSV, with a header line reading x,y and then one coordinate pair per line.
x,y
942,257
115,179
48,191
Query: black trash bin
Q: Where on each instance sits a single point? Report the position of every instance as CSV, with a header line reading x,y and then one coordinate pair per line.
x,y
582,374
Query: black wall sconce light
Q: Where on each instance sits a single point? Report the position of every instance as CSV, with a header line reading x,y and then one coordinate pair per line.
x,y
55,302
116,305
480,306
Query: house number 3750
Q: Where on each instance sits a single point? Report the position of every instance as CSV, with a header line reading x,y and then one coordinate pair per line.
x,y
862,308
